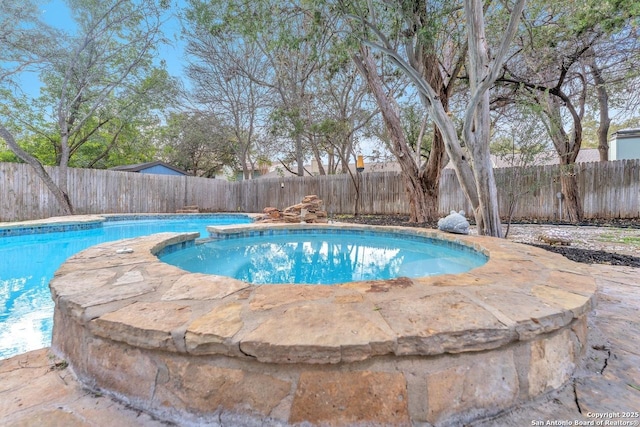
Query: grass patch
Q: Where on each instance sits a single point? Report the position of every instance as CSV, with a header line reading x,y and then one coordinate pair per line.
x,y
620,238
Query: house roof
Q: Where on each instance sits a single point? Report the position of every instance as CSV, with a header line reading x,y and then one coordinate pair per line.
x,y
585,155
626,133
143,166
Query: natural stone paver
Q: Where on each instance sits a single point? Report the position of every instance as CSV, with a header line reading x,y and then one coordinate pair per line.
x,y
104,295
212,332
343,398
552,363
348,299
48,394
143,324
51,418
422,329
231,389
574,282
267,297
203,287
123,370
317,334
576,303
20,384
528,314
455,389
608,379
76,282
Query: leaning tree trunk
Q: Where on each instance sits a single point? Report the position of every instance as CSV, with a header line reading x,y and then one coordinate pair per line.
x,y
61,196
423,200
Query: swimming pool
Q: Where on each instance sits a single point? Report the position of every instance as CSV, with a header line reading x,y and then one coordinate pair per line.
x,y
324,256
28,262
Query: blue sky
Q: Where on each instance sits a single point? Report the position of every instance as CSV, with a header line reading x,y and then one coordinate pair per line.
x,y
57,14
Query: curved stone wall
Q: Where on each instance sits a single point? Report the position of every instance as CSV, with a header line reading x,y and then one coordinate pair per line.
x,y
196,348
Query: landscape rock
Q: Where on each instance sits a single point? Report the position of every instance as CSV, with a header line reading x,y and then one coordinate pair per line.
x,y
309,211
455,222
555,237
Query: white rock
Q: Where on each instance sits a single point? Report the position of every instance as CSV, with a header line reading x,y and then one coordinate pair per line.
x,y
455,222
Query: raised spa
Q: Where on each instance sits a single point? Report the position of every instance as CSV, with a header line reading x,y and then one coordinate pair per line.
x,y
202,349
324,256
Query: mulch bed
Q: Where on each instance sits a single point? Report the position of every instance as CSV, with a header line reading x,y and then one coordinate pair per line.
x,y
575,254
592,257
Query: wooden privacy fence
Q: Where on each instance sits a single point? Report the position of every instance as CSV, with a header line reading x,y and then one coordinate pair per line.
x,y
608,190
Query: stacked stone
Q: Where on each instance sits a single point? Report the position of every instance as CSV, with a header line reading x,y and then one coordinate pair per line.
x,y
309,211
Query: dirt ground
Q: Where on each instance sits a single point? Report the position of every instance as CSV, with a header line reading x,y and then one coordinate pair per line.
x,y
612,243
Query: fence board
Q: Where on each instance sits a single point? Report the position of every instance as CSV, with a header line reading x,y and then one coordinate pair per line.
x,y
608,190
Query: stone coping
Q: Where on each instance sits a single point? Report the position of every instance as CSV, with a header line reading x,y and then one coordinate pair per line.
x,y
56,220
83,222
132,297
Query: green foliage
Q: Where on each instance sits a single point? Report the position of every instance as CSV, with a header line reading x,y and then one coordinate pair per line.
x,y
197,143
101,93
24,40
286,122
609,15
7,155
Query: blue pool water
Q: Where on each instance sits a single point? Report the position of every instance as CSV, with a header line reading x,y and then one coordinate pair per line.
x,y
324,257
27,264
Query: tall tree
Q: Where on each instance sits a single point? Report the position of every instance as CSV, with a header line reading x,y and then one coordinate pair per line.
x,y
417,29
284,34
556,62
339,114
125,119
473,164
221,88
110,52
25,42
197,142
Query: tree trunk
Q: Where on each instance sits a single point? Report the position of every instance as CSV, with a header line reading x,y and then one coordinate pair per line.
x,y
420,210
477,123
567,146
431,174
299,155
487,214
572,202
422,195
603,105
61,196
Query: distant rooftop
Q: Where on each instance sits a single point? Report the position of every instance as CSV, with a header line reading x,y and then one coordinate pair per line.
x,y
148,165
626,133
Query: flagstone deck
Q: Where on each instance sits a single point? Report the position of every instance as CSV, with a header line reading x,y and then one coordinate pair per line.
x,y
195,348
